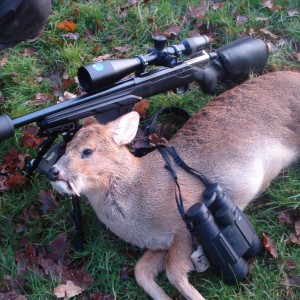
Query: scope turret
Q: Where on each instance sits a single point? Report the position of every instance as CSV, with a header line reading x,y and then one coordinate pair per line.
x,y
102,74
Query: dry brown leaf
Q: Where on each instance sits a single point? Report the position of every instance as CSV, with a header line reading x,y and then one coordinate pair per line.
x,y
268,3
294,238
67,291
141,107
285,218
241,20
297,227
66,96
172,31
40,99
293,12
66,25
269,33
48,201
270,246
28,52
3,61
102,57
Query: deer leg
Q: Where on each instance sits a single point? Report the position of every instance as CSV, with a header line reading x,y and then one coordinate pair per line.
x,y
147,269
179,264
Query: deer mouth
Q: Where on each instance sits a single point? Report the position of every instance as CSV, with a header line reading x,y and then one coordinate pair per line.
x,y
73,188
65,187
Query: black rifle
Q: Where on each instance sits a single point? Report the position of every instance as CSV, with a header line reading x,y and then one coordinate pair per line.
x,y
110,93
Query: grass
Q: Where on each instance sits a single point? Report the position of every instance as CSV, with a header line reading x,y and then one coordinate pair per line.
x,y
102,26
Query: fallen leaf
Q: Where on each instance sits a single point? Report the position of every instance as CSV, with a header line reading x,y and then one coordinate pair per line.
x,y
48,201
102,296
66,96
173,31
294,238
267,3
66,25
291,281
269,33
40,99
102,57
78,276
1,98
71,35
297,227
123,49
197,12
30,141
285,218
58,247
293,12
241,20
12,296
264,19
55,84
67,290
276,7
141,107
30,214
269,245
3,61
125,272
16,179
296,56
288,265
99,27
28,52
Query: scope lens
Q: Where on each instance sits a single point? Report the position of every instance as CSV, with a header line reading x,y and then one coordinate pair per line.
x,y
85,79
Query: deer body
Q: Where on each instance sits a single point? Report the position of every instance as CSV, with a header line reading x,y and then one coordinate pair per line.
x,y
241,140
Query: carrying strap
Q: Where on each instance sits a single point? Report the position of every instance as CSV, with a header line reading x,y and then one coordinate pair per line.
x,y
165,110
165,151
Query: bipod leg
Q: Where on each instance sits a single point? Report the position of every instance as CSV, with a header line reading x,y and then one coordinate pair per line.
x,y
76,214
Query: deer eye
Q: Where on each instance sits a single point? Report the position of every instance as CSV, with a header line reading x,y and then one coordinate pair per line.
x,y
86,152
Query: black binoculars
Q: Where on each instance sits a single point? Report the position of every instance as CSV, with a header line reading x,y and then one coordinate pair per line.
x,y
227,236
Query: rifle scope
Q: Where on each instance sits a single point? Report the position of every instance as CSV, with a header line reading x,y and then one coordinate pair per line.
x,y
101,74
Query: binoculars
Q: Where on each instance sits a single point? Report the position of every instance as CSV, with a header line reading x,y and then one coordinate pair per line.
x,y
225,233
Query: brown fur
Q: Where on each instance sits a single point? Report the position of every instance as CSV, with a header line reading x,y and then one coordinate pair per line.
x,y
242,140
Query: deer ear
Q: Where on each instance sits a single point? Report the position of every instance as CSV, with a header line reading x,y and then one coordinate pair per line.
x,y
90,121
124,128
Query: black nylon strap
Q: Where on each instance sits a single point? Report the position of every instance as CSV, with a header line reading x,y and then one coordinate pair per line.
x,y
167,109
178,195
205,180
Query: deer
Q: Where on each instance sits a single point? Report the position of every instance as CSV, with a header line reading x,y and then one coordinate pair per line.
x,y
242,139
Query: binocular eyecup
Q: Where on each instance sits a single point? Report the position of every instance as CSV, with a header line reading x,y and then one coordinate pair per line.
x,y
225,233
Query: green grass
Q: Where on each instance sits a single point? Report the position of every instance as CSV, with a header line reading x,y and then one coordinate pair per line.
x,y
104,254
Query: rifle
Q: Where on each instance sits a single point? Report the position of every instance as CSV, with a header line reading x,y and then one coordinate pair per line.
x,y
110,91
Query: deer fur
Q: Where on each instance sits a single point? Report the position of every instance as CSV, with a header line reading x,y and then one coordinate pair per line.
x,y
242,140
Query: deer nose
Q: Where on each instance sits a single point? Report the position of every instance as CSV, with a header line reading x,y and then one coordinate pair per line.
x,y
53,174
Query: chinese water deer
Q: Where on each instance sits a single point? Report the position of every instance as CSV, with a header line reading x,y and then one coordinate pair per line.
x,y
242,140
